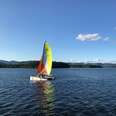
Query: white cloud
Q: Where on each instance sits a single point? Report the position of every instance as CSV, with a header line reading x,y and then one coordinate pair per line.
x,y
88,37
106,39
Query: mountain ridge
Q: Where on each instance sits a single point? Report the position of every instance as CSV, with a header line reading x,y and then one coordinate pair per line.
x,y
34,63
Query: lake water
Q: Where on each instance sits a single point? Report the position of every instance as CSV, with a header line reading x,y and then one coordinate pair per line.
x,y
74,92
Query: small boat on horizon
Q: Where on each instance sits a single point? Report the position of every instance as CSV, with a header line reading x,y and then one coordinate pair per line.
x,y
45,65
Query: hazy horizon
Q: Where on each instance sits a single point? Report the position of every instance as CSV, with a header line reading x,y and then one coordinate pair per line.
x,y
114,62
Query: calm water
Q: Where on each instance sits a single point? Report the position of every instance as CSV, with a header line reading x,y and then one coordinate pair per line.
x,y
74,92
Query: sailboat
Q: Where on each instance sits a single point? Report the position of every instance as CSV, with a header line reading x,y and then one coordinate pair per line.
x,y
45,65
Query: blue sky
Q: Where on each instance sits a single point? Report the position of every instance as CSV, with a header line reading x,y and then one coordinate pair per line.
x,y
77,30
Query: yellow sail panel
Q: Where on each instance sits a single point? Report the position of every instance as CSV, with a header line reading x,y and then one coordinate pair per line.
x,y
48,52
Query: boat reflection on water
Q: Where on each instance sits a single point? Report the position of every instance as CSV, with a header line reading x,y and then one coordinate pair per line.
x,y
46,97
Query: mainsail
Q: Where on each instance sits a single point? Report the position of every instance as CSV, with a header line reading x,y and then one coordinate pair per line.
x,y
45,64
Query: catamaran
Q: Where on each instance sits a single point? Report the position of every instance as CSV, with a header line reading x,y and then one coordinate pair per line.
x,y
45,65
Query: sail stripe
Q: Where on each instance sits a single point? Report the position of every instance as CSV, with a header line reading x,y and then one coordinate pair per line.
x,y
44,58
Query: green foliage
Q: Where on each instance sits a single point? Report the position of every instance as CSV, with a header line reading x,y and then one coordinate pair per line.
x,y
33,64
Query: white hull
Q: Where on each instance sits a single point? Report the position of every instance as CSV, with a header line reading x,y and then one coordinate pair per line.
x,y
35,78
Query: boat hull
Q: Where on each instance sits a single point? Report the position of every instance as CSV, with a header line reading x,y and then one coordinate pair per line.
x,y
36,78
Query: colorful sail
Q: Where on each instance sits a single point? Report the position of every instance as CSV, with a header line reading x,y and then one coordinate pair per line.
x,y
45,64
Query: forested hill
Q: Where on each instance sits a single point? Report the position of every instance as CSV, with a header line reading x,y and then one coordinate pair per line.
x,y
33,64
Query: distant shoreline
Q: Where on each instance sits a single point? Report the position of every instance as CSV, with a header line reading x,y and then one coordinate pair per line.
x,y
33,64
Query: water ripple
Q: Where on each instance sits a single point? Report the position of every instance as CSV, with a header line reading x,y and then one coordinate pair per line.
x,y
74,92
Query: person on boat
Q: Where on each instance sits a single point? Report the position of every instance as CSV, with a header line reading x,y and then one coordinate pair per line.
x,y
41,75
